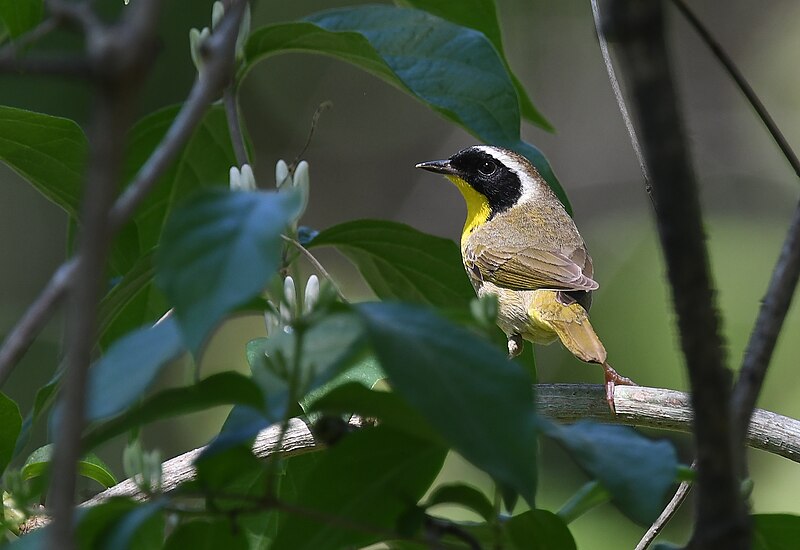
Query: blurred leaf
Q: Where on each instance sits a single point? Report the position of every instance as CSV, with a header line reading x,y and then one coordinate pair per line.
x,y
454,70
400,263
89,466
393,412
635,470
10,426
231,472
369,478
479,401
539,530
207,535
20,16
463,495
775,531
223,388
129,367
48,151
481,15
140,528
219,250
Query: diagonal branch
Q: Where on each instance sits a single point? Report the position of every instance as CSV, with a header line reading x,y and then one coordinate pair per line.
x,y
638,28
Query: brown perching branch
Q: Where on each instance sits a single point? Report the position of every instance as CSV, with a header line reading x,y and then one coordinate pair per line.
x,y
637,28
636,406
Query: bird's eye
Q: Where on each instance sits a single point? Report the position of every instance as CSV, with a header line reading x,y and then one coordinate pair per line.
x,y
487,168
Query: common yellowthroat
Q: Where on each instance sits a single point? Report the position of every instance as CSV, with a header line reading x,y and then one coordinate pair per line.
x,y
521,245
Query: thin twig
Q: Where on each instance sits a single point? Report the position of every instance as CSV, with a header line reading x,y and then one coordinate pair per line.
x,y
638,27
316,263
771,315
666,515
235,124
22,335
623,109
51,65
18,44
742,83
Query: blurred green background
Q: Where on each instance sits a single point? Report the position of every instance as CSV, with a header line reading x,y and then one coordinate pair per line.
x,y
362,159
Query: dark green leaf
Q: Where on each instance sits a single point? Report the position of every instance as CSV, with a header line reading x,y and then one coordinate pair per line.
x,y
120,311
90,466
141,528
635,470
204,161
130,366
224,388
463,495
365,373
454,70
480,402
370,478
539,530
10,426
400,263
775,531
48,151
20,16
219,249
393,412
481,15
207,535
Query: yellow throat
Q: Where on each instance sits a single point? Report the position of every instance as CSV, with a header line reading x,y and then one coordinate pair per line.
x,y
478,210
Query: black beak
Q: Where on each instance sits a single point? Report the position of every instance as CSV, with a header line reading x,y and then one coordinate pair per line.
x,y
437,166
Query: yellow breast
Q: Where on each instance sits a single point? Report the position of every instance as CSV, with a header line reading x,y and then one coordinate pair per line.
x,y
478,210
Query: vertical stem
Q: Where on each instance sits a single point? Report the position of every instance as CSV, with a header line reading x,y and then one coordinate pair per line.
x,y
112,107
638,28
234,123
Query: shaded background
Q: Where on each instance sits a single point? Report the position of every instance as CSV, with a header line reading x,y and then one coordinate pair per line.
x,y
362,158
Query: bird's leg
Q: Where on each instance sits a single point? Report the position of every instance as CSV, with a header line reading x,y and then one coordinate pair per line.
x,y
613,378
515,345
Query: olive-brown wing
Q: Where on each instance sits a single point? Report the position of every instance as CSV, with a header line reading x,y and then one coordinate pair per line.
x,y
528,268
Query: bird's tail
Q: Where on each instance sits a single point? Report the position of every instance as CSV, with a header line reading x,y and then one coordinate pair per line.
x,y
579,337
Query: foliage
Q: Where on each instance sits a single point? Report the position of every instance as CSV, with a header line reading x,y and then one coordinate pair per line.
x,y
206,253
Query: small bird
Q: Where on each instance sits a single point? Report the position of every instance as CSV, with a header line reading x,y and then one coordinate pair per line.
x,y
520,245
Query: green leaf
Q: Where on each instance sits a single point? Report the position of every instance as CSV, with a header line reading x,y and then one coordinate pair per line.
x,y
129,367
539,530
400,263
207,535
219,249
463,495
775,531
10,426
20,16
393,412
224,388
364,373
90,466
454,70
481,15
141,528
120,312
49,152
369,478
480,402
635,470
205,161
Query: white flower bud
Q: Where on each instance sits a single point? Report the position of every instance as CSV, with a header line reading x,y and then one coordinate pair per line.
x,y
235,179
282,176
217,13
248,179
311,294
196,39
289,302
